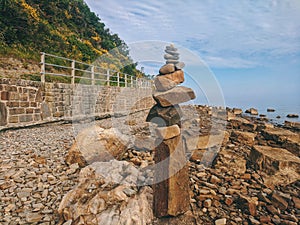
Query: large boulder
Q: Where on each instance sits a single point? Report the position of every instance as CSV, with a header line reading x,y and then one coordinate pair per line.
x,y
167,116
280,167
106,195
168,81
246,138
95,144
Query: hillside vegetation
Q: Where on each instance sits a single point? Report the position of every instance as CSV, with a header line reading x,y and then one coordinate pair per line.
x,y
62,27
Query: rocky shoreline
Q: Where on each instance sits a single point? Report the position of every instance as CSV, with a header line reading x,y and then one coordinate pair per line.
x,y
236,181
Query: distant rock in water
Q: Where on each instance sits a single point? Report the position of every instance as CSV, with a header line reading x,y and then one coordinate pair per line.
x,y
252,111
270,110
278,117
292,116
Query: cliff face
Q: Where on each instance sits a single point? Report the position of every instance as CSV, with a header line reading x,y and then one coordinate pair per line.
x,y
62,27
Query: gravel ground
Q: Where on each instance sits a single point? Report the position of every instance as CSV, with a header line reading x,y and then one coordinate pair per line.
x,y
33,174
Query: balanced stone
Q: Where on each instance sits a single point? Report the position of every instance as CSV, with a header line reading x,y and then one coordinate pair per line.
x,y
165,116
171,188
171,61
167,68
171,48
174,96
168,56
167,82
173,53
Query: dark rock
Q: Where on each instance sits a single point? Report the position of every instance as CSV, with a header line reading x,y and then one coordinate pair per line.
x,y
252,111
270,110
167,116
292,116
174,96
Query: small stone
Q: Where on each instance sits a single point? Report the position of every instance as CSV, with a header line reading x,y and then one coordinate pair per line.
x,y
254,221
207,203
252,111
228,200
265,219
272,209
296,202
279,202
166,69
221,221
33,217
214,179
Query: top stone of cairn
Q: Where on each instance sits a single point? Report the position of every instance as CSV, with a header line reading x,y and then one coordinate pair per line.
x,y
172,57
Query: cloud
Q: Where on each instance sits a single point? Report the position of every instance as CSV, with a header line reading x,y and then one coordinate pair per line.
x,y
235,34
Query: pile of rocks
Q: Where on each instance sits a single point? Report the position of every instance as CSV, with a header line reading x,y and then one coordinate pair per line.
x,y
171,189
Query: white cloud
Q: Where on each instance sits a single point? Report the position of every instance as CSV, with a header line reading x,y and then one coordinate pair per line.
x,y
234,34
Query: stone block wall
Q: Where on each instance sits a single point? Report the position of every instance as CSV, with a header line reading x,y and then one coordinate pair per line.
x,y
24,102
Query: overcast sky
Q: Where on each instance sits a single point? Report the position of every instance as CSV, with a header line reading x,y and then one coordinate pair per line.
x,y
252,47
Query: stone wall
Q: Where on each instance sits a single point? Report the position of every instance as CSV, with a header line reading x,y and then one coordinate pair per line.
x,y
26,102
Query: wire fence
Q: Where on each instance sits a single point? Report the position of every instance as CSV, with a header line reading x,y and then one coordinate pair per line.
x,y
73,71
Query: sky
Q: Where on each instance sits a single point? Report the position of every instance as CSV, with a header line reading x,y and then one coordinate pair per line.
x,y
252,47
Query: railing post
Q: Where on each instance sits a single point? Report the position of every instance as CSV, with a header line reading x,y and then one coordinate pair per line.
x,y
93,74
73,72
131,81
118,78
125,80
43,67
107,77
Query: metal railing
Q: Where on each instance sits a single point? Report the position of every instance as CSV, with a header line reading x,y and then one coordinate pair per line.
x,y
79,72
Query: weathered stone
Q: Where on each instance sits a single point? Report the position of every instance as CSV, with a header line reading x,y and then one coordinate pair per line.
x,y
174,96
279,202
281,166
100,197
247,204
237,111
172,52
284,138
244,137
292,116
166,133
3,114
270,110
172,61
171,47
171,182
168,81
46,112
33,217
97,144
167,116
167,68
169,56
296,202
252,111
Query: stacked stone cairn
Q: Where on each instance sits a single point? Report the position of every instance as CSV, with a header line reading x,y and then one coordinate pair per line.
x,y
171,181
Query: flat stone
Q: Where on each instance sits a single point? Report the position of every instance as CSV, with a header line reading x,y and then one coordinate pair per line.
x,y
33,217
280,166
171,47
167,68
237,111
222,221
244,137
169,56
168,81
171,61
171,52
174,96
252,111
166,133
279,202
167,116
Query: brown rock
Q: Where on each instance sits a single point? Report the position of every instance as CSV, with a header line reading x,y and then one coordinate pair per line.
x,y
247,204
252,111
168,81
167,116
237,111
296,202
272,209
265,219
221,221
171,188
167,68
96,144
244,137
166,133
279,202
280,166
284,138
3,114
174,96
